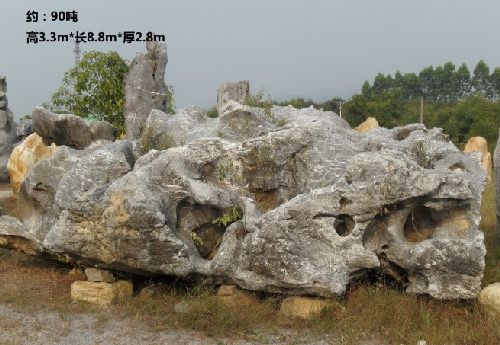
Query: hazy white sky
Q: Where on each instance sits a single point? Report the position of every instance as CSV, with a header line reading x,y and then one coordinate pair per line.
x,y
313,48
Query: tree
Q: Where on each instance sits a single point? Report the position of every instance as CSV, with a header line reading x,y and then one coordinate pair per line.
x,y
464,81
95,88
495,83
481,79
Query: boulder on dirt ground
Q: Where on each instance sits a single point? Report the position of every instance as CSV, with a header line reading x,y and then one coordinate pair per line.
x,y
306,307
302,208
101,293
479,144
490,298
70,130
369,124
97,275
233,296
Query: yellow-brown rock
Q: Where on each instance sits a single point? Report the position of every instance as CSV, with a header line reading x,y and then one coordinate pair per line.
x,y
479,144
24,156
489,298
233,296
306,307
101,293
369,124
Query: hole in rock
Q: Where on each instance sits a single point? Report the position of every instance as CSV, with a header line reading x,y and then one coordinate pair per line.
x,y
204,225
402,134
419,224
266,200
344,225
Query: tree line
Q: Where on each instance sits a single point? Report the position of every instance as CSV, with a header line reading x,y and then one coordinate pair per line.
x,y
464,104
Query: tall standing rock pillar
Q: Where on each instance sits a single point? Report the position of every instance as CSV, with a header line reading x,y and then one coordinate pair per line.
x,y
7,130
145,87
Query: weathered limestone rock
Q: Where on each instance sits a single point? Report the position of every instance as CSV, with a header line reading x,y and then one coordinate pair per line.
x,y
101,293
232,91
490,298
233,296
97,275
479,144
70,130
496,162
77,274
145,87
24,157
7,131
369,124
23,129
305,307
300,208
15,235
163,131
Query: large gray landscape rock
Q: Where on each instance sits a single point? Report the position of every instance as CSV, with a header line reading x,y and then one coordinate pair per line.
x,y
145,87
7,131
70,130
232,91
496,165
280,200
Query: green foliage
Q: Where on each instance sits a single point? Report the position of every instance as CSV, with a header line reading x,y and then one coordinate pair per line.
x,y
212,113
257,100
228,219
94,88
422,158
170,100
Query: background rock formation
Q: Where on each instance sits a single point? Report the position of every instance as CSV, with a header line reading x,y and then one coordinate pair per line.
x,y
479,144
232,91
70,130
284,200
7,130
145,87
369,124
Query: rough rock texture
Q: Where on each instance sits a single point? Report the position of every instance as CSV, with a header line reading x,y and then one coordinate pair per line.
x,y
479,144
282,200
233,296
24,156
490,298
101,293
145,87
305,307
232,91
97,275
369,124
7,131
496,164
23,129
70,130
